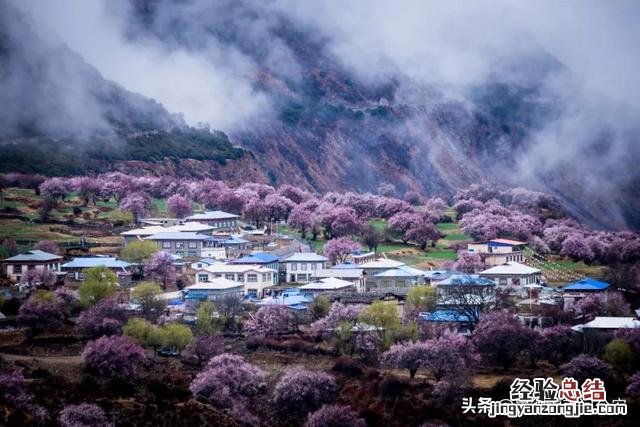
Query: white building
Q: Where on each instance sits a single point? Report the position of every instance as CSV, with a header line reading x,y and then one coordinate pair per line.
x,y
217,287
254,278
301,266
328,284
513,273
17,265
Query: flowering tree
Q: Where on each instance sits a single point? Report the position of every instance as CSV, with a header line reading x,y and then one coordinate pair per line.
x,y
557,344
338,220
409,355
334,416
633,389
103,318
160,268
412,197
338,313
255,210
113,357
576,247
435,204
67,298
88,188
179,206
271,320
137,203
83,415
41,312
422,233
386,189
400,223
278,207
301,391
228,381
501,338
603,304
47,246
583,367
302,219
45,277
14,391
337,250
54,188
450,357
204,347
295,194
467,262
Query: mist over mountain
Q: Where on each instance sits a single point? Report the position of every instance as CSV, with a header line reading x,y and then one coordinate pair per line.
x,y
336,95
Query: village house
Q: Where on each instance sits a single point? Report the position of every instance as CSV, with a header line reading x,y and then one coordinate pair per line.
x,y
262,259
467,294
235,246
214,289
75,268
191,245
359,257
575,291
219,220
498,251
513,273
594,335
204,262
329,284
300,267
165,222
14,267
347,271
450,320
400,277
254,278
291,298
143,232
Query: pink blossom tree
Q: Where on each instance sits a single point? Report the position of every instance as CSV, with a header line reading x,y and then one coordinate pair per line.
x,y
386,189
302,391
408,355
633,387
83,415
36,278
295,194
111,357
228,381
467,262
55,188
435,204
137,203
338,313
500,338
204,347
413,197
104,318
335,416
451,358
557,344
255,210
584,367
576,247
41,312
160,268
278,207
47,246
603,304
88,188
338,249
301,219
400,223
179,206
271,320
422,234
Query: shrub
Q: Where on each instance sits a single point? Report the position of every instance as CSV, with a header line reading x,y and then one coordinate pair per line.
x,y
619,355
334,416
83,415
300,390
176,336
347,366
99,283
103,318
113,357
41,313
501,338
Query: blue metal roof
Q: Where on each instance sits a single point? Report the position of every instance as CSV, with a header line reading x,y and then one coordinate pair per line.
x,y
109,262
466,279
587,284
444,316
345,265
261,258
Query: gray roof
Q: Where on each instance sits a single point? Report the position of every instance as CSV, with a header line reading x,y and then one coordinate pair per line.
x,y
212,215
306,257
175,235
109,262
35,256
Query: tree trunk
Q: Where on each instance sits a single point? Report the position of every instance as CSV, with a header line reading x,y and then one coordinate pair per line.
x,y
412,372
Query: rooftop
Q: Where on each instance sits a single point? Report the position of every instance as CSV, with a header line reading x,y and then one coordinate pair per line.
x,y
306,257
466,279
510,268
259,258
444,316
609,323
89,262
508,242
237,268
382,263
34,255
211,215
586,284
328,283
349,273
218,283
177,236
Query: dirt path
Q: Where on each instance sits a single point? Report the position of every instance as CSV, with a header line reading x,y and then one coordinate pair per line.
x,y
65,360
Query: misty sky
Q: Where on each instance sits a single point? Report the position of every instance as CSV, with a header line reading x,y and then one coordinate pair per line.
x,y
450,44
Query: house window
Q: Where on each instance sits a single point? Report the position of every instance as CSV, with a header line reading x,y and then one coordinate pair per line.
x,y
203,277
314,266
179,245
17,269
302,277
252,277
294,266
31,267
166,245
193,245
199,265
179,253
264,277
303,266
230,276
193,254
